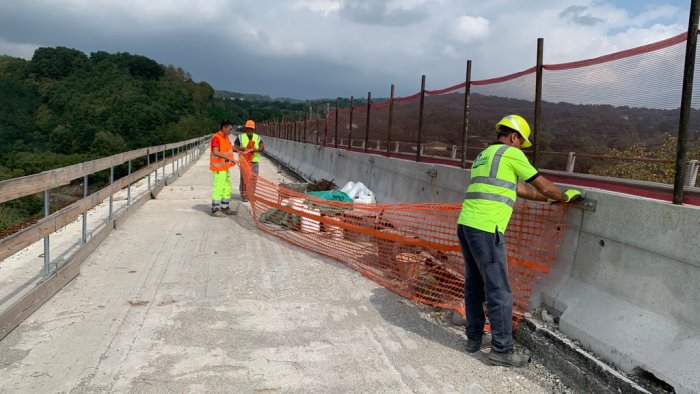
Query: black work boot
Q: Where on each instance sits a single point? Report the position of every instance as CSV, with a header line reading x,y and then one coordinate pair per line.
x,y
475,345
509,359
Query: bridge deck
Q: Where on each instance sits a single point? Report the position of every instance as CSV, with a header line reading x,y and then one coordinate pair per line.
x,y
178,301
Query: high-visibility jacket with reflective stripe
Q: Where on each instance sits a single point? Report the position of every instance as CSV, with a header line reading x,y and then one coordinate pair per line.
x,y
492,190
245,141
217,163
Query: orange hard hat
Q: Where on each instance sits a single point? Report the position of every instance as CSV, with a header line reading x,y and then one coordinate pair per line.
x,y
249,124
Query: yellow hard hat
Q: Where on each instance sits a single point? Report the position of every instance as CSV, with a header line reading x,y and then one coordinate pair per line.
x,y
249,124
517,123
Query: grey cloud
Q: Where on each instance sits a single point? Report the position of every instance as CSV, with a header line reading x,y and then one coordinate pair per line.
x,y
579,14
376,12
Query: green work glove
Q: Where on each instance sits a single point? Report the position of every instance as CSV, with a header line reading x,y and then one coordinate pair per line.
x,y
573,195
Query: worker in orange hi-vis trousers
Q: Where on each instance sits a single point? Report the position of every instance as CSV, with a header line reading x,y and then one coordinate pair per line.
x,y
220,161
250,146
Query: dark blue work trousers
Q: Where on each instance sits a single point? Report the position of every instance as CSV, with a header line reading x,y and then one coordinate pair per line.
x,y
486,279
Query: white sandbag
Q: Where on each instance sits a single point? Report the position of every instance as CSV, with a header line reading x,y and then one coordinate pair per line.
x,y
348,186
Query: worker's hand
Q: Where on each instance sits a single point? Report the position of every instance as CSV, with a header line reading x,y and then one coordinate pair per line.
x,y
573,195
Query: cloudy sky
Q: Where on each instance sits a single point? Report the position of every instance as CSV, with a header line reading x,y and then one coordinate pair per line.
x,y
330,48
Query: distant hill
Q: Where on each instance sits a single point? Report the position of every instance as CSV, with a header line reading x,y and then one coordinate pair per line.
x,y
225,94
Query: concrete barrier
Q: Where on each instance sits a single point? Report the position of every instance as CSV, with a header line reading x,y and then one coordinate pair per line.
x,y
627,281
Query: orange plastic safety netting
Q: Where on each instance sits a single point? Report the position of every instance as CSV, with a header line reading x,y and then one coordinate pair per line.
x,y
410,249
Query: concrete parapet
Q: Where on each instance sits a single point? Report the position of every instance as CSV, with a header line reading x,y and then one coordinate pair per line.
x,y
626,284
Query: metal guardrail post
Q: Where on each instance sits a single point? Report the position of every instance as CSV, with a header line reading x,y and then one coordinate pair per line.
x,y
691,173
570,162
85,193
148,164
111,195
128,189
172,155
47,258
163,178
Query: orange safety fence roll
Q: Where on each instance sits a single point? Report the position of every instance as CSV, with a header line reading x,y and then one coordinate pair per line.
x,y
409,248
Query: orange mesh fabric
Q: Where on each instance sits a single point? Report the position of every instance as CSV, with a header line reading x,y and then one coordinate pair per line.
x,y
410,249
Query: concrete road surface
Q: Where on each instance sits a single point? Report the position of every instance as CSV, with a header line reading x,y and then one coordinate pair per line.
x,y
179,301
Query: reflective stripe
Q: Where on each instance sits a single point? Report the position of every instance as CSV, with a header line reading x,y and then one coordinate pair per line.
x,y
216,165
490,197
494,182
514,123
497,160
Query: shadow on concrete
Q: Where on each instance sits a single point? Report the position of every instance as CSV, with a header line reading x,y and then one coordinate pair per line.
x,y
423,320
244,215
203,208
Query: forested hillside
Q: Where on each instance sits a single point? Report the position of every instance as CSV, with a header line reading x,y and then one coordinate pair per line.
x,y
63,107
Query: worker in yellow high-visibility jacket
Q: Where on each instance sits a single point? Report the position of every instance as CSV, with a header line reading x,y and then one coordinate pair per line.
x,y
250,145
486,211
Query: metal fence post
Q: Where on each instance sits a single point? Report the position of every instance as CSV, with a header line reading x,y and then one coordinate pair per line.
x,y
47,257
335,138
686,97
111,192
128,188
369,107
391,120
325,127
420,118
350,126
534,137
85,193
148,164
465,122
164,163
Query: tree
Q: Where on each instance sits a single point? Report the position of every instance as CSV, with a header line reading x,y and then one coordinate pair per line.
x,y
57,63
660,167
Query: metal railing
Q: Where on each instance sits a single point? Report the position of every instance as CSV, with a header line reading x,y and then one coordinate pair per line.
x,y
57,272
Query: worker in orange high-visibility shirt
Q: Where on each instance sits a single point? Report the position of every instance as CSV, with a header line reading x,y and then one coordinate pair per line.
x,y
220,161
250,146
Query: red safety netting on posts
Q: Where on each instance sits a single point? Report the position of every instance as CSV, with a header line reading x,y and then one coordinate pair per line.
x,y
410,249
615,110
491,99
404,128
343,127
378,127
443,123
359,125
